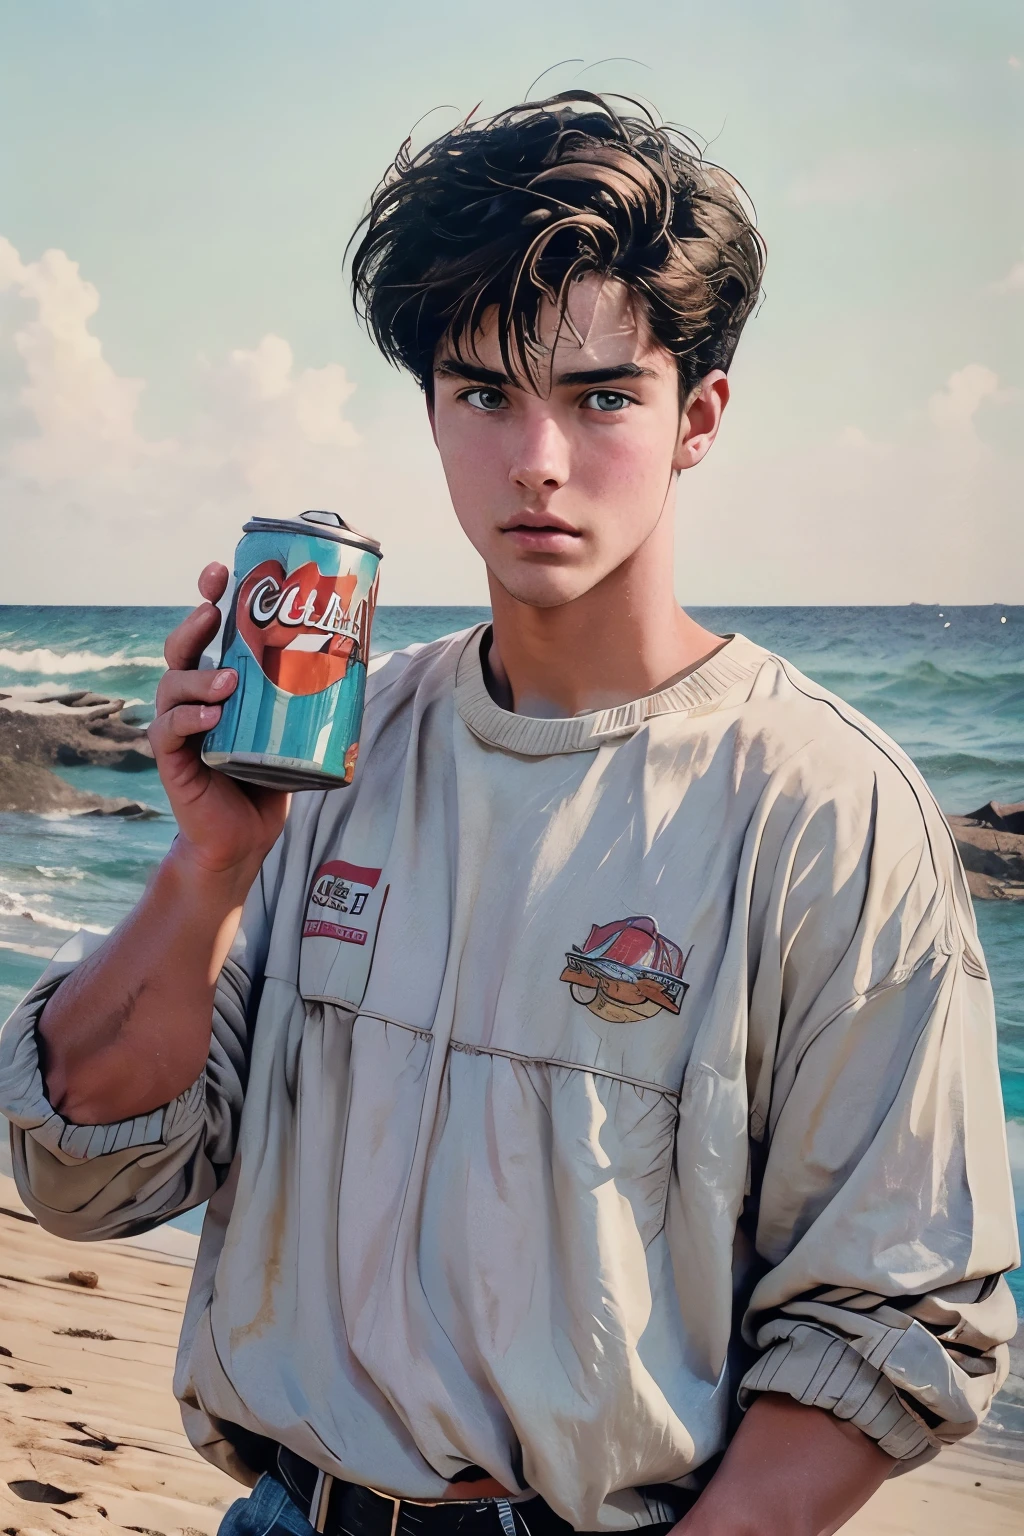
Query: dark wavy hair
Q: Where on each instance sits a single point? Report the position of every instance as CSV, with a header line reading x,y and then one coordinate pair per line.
x,y
508,210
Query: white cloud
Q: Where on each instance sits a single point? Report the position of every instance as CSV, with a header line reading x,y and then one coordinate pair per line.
x,y
270,427
954,407
857,440
79,479
83,412
926,514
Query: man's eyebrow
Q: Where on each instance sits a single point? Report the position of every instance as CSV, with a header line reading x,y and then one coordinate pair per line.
x,y
475,373
612,374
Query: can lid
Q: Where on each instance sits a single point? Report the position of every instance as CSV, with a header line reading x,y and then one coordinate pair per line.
x,y
326,525
329,519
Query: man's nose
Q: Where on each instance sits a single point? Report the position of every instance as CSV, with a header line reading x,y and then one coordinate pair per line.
x,y
540,459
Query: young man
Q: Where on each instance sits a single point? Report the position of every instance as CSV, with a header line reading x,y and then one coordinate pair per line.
x,y
662,1084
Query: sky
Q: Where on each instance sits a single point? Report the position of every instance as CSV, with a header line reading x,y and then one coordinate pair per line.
x,y
178,179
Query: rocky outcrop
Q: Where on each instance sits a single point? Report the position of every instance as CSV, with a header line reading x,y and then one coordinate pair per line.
x,y
46,725
991,844
29,787
43,726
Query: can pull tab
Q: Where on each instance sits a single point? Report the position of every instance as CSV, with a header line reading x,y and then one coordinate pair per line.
x,y
325,519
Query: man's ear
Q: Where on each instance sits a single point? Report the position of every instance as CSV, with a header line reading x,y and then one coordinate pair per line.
x,y
701,419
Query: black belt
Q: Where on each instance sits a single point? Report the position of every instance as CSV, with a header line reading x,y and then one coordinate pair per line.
x,y
337,1508
332,1506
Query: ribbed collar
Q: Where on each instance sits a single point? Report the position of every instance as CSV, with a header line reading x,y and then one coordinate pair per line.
x,y
541,737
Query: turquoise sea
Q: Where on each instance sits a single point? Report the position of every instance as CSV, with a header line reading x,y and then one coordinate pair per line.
x,y
947,684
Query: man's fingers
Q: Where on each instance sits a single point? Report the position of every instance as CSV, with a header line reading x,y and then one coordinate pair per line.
x,y
170,731
187,643
212,582
208,687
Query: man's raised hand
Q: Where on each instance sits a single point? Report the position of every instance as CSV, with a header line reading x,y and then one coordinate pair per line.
x,y
222,825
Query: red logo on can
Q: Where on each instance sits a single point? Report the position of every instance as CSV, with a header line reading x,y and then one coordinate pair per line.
x,y
299,626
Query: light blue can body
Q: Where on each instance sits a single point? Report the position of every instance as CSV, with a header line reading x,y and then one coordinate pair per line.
x,y
297,621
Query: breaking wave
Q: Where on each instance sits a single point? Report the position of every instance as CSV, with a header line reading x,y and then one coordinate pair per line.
x,y
72,663
12,904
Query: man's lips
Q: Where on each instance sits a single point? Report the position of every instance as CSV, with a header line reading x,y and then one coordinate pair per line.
x,y
539,530
541,541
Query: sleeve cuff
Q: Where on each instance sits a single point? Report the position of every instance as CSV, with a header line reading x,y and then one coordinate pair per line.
x,y
818,1369
23,1097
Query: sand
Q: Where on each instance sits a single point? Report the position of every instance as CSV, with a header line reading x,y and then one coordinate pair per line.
x,y
95,1420
94,1417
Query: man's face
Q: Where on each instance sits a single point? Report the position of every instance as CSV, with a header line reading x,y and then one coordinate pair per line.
x,y
556,490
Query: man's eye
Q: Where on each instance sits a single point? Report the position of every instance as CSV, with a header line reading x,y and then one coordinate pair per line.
x,y
485,399
607,400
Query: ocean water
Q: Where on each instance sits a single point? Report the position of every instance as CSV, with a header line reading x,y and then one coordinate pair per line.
x,y
947,684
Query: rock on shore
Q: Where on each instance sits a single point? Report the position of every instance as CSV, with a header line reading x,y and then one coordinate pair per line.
x,y
71,727
991,844
43,726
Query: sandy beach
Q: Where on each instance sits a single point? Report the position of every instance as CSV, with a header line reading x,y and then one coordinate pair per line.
x,y
90,1434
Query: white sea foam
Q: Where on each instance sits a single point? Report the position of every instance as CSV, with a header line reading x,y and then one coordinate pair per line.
x,y
1015,1142
59,872
37,951
71,663
13,904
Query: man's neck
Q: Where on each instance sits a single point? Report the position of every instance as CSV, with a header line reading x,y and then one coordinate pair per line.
x,y
625,638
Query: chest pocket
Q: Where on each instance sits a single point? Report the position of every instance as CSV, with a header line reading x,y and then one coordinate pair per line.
x,y
339,931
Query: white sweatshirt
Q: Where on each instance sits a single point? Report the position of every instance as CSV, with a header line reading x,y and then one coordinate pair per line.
x,y
540,1045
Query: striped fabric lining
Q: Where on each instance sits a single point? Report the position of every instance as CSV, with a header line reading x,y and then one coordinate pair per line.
x,y
822,1371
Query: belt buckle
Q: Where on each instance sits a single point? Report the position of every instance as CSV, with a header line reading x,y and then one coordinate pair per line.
x,y
321,1499
396,1506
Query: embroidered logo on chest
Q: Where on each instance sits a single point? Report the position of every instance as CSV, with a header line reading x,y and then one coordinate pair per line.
x,y
340,891
626,970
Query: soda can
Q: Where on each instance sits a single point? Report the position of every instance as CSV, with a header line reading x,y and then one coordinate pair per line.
x,y
296,621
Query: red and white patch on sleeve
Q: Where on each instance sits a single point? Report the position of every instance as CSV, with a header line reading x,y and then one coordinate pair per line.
x,y
339,891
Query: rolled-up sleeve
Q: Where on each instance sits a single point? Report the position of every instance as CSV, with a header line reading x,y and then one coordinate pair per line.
x,y
882,1212
100,1181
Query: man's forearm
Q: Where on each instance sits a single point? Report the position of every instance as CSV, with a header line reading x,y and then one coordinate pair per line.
x,y
129,1029
789,1471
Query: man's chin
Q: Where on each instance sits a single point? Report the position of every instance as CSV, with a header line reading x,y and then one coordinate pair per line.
x,y
545,588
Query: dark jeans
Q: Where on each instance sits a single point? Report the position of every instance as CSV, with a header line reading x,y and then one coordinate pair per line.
x,y
269,1511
